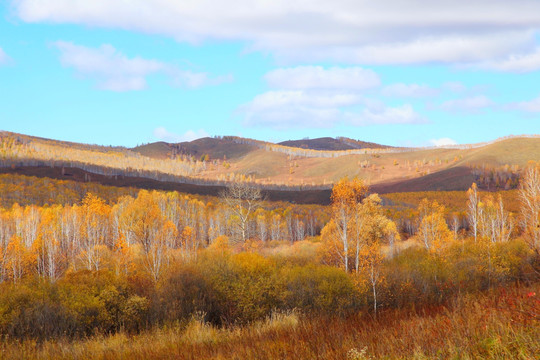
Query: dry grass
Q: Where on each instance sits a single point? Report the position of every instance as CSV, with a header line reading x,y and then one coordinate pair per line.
x,y
512,151
503,324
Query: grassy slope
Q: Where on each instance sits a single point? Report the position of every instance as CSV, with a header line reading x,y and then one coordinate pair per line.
x,y
324,143
429,169
512,151
328,143
215,148
158,150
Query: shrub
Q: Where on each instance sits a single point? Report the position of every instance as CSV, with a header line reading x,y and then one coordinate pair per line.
x,y
321,289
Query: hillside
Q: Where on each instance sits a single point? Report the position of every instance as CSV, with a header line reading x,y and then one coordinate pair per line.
x,y
494,165
215,148
331,144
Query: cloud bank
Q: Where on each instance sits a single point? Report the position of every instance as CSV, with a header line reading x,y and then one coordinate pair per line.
x,y
531,106
114,71
442,142
312,96
490,34
470,105
163,134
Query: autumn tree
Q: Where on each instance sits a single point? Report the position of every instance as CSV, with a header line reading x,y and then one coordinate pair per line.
x,y
276,226
242,200
495,223
6,233
346,195
151,230
433,231
262,224
371,261
49,260
377,230
96,230
18,258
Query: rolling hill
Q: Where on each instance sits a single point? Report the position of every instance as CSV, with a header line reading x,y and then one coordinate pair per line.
x,y
215,148
274,167
328,143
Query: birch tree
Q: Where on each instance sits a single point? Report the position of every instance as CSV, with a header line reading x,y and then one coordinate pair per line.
x,y
529,195
242,200
346,195
473,210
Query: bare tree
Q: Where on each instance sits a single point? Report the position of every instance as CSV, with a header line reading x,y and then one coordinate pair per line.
x,y
243,200
473,209
529,194
455,225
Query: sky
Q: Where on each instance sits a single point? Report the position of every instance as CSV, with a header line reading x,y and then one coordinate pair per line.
x,y
396,72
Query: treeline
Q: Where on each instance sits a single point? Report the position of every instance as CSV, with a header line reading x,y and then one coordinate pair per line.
x,y
154,227
404,208
454,201
497,177
32,190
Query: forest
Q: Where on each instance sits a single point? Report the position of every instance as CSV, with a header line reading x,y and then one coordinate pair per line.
x,y
91,271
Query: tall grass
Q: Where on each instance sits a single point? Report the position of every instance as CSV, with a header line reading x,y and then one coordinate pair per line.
x,y
500,324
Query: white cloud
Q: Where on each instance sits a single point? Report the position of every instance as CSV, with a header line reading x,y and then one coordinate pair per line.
x,y
312,96
518,63
443,142
367,32
4,59
317,77
443,49
454,86
163,134
532,106
114,71
283,118
467,105
404,114
297,109
192,80
283,98
409,90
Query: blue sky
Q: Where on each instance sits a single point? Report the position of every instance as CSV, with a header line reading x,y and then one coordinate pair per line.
x,y
395,72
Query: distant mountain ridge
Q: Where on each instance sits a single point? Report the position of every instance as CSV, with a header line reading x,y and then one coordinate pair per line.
x,y
215,148
332,144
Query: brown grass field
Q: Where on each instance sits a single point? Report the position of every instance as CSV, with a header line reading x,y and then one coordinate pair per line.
x,y
501,324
